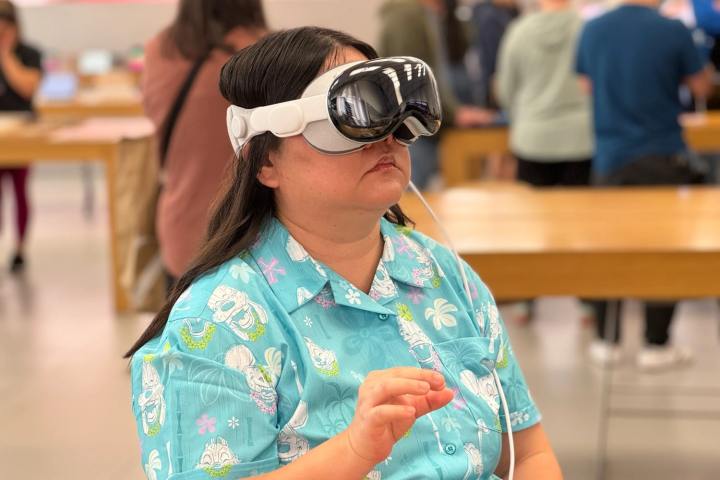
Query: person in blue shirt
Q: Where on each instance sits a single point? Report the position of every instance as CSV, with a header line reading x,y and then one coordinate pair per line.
x,y
707,15
317,335
634,61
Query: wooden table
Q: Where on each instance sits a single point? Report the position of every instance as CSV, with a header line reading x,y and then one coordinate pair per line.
x,y
78,108
461,148
114,94
89,141
656,243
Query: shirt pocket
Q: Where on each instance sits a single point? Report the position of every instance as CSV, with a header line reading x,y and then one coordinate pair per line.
x,y
469,363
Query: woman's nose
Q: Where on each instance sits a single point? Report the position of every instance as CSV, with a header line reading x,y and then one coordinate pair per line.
x,y
388,141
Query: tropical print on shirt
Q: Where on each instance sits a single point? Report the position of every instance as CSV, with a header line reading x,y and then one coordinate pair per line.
x,y
261,361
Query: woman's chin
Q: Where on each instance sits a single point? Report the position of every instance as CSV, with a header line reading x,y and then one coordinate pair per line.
x,y
385,196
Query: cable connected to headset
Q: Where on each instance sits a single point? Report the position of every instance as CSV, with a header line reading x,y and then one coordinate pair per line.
x,y
466,289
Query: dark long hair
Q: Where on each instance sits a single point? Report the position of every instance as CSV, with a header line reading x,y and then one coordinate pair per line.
x,y
201,25
276,69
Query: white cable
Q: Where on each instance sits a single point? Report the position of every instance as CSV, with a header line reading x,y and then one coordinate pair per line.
x,y
508,425
449,241
468,293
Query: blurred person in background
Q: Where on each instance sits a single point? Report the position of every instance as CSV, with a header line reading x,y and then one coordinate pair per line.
x,y
634,61
415,28
550,118
456,39
20,76
203,36
707,14
490,19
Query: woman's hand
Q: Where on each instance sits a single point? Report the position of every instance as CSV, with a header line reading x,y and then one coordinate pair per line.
x,y
389,402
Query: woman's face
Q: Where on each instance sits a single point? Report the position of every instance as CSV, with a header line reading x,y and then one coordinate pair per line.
x,y
372,178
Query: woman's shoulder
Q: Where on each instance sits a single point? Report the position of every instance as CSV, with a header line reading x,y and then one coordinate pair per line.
x,y
234,279
229,305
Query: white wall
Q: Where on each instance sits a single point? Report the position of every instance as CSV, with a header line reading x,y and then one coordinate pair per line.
x,y
71,28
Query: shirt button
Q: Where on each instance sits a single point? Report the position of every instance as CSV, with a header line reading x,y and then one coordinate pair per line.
x,y
383,316
450,449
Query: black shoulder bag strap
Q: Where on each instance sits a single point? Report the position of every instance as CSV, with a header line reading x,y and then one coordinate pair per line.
x,y
177,107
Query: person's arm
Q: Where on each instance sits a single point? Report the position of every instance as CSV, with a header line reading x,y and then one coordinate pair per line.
x,y
701,84
389,402
690,63
22,79
322,463
534,458
585,84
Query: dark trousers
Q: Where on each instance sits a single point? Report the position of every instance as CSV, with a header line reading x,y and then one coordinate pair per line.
x,y
540,173
19,180
658,317
676,169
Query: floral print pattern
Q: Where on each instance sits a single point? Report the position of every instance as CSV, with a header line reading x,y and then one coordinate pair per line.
x,y
262,359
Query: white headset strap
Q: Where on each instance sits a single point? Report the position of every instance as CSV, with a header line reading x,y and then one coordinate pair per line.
x,y
284,119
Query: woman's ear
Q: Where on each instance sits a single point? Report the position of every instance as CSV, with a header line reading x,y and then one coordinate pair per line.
x,y
268,174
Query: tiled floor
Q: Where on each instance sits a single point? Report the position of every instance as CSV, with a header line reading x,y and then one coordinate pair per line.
x,y
64,401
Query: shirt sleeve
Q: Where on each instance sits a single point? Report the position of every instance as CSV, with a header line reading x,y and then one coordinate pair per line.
x,y
690,58
507,74
521,406
205,392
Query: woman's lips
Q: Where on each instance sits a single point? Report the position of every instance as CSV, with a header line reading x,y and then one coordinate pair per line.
x,y
385,163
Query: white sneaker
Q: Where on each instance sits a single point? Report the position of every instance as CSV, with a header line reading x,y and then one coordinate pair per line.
x,y
604,353
654,358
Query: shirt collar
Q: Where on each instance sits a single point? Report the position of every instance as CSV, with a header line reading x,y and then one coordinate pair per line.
x,y
296,278
407,260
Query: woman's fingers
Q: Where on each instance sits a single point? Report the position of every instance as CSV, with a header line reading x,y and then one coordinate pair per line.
x,y
430,402
435,379
382,415
389,401
384,390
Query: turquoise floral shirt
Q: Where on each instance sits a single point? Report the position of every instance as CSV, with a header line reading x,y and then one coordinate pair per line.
x,y
261,361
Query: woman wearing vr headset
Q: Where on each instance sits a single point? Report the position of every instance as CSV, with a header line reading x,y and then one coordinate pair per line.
x,y
316,336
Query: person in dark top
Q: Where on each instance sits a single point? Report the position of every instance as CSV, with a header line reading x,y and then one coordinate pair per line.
x,y
634,61
490,19
20,75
